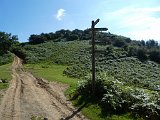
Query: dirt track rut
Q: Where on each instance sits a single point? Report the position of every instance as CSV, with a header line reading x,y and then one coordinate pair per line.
x,y
28,96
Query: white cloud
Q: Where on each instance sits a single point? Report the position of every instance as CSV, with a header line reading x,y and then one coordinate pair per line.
x,y
129,10
140,23
148,31
60,14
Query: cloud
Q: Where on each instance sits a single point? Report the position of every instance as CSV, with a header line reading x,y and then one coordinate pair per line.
x,y
60,14
137,23
129,10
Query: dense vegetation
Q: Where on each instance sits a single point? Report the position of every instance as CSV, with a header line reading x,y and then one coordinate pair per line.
x,y
60,36
7,42
127,71
148,50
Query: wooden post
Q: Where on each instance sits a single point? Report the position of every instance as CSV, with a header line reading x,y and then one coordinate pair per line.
x,y
93,52
93,58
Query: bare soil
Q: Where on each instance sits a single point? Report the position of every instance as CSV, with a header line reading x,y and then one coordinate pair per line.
x,y
28,97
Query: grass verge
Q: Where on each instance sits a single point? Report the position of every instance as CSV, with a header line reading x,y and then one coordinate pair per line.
x,y
53,73
5,75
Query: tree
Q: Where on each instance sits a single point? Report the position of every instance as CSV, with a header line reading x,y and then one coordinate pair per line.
x,y
142,54
143,43
132,51
119,43
7,41
37,39
73,37
154,55
151,43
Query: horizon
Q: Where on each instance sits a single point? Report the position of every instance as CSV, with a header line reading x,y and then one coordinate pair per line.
x,y
138,20
83,30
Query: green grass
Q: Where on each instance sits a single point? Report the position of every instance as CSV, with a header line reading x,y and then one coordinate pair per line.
x,y
5,74
53,72
98,116
92,110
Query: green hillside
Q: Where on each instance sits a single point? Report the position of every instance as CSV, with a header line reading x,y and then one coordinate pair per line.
x,y
127,83
127,72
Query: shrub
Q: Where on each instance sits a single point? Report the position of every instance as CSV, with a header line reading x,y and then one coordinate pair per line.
x,y
154,55
142,54
149,111
85,88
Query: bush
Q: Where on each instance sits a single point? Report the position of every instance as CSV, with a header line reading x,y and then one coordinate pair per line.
x,y
146,111
154,55
116,100
85,88
6,58
142,54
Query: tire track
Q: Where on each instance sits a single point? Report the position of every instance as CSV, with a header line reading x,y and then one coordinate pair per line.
x,y
10,107
28,96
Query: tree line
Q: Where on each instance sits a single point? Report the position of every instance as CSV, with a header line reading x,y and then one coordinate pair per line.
x,y
60,36
144,50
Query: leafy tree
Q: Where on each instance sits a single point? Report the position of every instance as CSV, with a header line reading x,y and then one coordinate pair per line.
x,y
128,40
73,37
36,39
142,54
77,32
120,41
6,42
132,51
154,55
143,43
151,43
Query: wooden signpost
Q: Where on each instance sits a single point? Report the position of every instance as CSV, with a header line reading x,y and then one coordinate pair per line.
x,y
93,52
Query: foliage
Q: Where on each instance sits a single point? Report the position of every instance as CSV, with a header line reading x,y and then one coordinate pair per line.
x,y
6,42
142,54
36,39
84,88
59,36
19,51
6,58
128,71
115,98
5,75
155,55
151,43
59,53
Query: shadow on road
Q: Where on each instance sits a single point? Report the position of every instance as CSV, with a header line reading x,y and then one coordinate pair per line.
x,y
75,112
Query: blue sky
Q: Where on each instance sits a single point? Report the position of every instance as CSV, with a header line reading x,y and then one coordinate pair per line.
x,y
137,19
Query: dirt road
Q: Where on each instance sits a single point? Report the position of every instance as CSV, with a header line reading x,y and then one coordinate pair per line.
x,y
28,97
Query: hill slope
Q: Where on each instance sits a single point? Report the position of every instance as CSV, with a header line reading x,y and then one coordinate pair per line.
x,y
133,80
127,71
